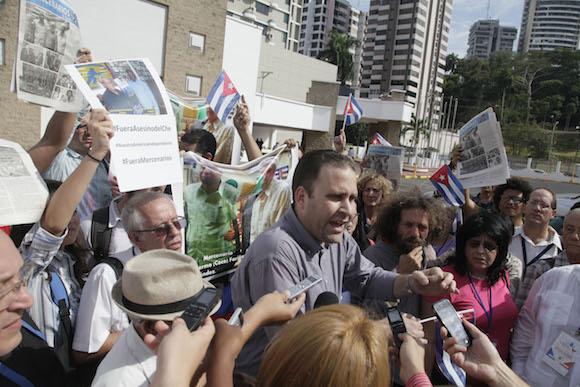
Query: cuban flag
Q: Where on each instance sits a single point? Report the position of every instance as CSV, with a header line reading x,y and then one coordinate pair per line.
x,y
223,97
449,187
352,112
380,140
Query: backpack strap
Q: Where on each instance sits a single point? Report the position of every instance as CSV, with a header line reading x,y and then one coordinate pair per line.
x,y
60,299
101,233
115,264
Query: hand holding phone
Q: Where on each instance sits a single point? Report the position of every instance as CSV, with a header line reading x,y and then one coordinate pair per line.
x,y
449,318
397,324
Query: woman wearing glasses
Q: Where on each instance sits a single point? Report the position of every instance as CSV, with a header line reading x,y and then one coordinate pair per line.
x,y
479,268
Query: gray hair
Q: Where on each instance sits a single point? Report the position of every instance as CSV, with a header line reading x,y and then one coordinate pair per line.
x,y
132,217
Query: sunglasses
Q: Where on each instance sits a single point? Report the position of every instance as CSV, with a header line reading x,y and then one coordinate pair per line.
x,y
486,245
164,229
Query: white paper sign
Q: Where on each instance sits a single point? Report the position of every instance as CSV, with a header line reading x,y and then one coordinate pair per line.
x,y
144,150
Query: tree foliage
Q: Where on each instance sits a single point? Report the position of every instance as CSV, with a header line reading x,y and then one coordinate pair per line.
x,y
418,127
529,93
337,52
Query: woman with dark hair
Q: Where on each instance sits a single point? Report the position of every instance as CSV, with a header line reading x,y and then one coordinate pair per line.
x,y
479,268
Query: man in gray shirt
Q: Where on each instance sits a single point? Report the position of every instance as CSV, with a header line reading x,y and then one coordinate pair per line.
x,y
311,239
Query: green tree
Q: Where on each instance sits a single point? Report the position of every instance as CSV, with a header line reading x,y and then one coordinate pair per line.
x,y
337,52
418,127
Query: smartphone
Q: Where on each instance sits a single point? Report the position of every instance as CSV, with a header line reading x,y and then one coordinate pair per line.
x,y
397,324
201,307
237,318
304,285
449,318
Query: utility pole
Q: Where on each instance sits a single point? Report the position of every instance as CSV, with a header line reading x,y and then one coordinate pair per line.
x,y
551,154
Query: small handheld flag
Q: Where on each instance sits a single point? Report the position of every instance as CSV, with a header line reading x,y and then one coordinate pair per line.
x,y
223,97
449,186
380,140
352,111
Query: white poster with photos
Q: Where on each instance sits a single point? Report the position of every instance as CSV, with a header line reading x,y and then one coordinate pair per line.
x,y
48,39
144,150
484,160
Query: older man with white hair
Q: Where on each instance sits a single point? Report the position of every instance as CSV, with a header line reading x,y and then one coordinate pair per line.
x,y
152,223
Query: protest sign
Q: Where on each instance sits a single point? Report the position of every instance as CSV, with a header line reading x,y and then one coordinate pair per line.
x,y
144,150
386,160
228,206
23,193
484,160
48,39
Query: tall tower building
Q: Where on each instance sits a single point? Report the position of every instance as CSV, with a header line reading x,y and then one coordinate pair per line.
x,y
487,36
279,19
319,17
549,24
405,48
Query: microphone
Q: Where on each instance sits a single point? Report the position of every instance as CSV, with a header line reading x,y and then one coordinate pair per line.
x,y
326,298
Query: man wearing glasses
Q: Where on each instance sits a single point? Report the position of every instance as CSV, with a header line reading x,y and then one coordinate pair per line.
x,y
536,240
152,223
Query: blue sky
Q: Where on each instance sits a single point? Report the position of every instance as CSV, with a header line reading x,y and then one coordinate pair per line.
x,y
466,12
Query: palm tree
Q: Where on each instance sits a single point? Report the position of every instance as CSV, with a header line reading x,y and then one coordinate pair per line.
x,y
418,126
337,52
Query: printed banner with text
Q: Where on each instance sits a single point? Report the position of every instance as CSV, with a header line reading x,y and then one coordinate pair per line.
x,y
228,206
144,151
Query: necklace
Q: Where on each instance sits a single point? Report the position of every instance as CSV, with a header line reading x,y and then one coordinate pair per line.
x,y
478,277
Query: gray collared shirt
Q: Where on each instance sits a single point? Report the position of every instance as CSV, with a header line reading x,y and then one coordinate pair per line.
x,y
286,254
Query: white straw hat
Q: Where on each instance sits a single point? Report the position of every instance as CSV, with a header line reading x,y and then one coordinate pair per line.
x,y
159,285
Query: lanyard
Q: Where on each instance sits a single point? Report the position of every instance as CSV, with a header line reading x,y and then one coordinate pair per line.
x,y
488,204
14,376
525,253
490,314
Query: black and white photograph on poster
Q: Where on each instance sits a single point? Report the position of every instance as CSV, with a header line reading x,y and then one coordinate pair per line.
x,y
120,86
48,38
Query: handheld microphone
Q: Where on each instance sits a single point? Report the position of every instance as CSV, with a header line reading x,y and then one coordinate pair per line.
x,y
326,298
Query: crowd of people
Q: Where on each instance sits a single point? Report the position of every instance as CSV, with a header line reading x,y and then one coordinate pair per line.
x,y
92,293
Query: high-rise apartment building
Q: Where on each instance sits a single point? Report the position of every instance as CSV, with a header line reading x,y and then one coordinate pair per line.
x,y
487,36
549,24
279,19
405,48
319,17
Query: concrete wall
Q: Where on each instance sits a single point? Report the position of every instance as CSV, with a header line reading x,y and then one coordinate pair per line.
x,y
292,73
325,94
19,121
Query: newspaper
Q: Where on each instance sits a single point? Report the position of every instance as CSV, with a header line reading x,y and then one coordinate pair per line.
x,y
386,160
226,207
22,189
144,150
48,39
484,160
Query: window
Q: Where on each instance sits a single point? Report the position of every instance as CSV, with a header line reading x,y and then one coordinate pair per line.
x,y
286,18
2,52
262,8
193,85
196,41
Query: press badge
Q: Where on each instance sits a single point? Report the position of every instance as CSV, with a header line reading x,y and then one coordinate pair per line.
x,y
563,354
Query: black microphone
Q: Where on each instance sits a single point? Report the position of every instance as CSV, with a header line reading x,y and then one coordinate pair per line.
x,y
326,298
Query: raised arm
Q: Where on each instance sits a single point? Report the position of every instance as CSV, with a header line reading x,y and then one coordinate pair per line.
x,y
242,121
65,200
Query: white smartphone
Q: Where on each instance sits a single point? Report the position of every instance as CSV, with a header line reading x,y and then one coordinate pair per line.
x,y
237,318
304,285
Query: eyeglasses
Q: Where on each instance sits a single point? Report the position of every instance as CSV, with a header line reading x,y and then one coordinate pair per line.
x,y
474,244
24,276
516,199
542,205
163,230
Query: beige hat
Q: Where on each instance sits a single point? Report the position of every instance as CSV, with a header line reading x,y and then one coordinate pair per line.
x,y
159,285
